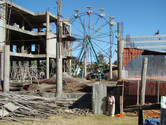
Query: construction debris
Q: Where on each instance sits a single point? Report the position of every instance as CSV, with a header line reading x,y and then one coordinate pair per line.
x,y
70,84
27,106
80,112
152,113
13,106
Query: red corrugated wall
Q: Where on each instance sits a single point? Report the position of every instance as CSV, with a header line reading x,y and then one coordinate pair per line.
x,y
130,91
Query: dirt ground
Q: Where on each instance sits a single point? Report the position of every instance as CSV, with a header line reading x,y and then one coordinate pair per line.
x,y
70,119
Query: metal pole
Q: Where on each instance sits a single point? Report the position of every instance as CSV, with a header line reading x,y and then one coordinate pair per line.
x,y
85,66
59,53
143,80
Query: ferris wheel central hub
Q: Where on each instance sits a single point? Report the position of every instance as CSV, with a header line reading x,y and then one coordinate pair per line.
x,y
89,37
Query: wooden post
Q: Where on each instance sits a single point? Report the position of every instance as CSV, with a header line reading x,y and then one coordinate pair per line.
x,y
143,87
140,118
137,92
158,91
59,53
143,80
122,98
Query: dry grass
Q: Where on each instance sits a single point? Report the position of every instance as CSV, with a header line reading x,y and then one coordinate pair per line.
x,y
66,119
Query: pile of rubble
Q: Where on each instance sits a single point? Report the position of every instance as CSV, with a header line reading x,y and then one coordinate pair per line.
x,y
70,84
14,106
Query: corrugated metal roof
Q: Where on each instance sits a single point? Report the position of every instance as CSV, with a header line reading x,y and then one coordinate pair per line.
x,y
129,53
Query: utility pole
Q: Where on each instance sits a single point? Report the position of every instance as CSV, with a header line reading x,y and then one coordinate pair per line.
x,y
120,53
59,53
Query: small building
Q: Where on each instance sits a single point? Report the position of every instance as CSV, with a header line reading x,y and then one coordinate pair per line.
x,y
133,63
156,75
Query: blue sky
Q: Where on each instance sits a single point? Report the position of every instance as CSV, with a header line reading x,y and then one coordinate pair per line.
x,y
140,17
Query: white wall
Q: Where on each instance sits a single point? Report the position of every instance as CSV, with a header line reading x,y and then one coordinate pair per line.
x,y
52,44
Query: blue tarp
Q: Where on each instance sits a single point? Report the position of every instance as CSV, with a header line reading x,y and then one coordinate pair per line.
x,y
151,121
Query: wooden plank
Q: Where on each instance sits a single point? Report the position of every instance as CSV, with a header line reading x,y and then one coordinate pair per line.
x,y
142,107
140,117
11,107
3,113
158,91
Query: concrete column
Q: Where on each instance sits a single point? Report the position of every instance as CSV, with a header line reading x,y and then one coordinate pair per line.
x,y
23,24
69,48
1,66
70,72
99,98
120,59
2,36
47,45
59,70
59,85
23,48
1,69
6,68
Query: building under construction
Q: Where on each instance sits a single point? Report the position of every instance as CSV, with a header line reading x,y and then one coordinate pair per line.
x,y
28,38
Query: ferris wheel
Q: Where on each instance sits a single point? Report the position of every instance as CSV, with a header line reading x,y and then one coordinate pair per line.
x,y
94,32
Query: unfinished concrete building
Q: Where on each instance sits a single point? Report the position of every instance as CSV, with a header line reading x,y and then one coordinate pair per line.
x,y
27,42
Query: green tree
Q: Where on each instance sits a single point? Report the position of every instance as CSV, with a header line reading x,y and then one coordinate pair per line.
x,y
102,62
115,62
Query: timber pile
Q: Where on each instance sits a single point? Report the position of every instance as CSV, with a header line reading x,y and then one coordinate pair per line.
x,y
26,106
22,106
